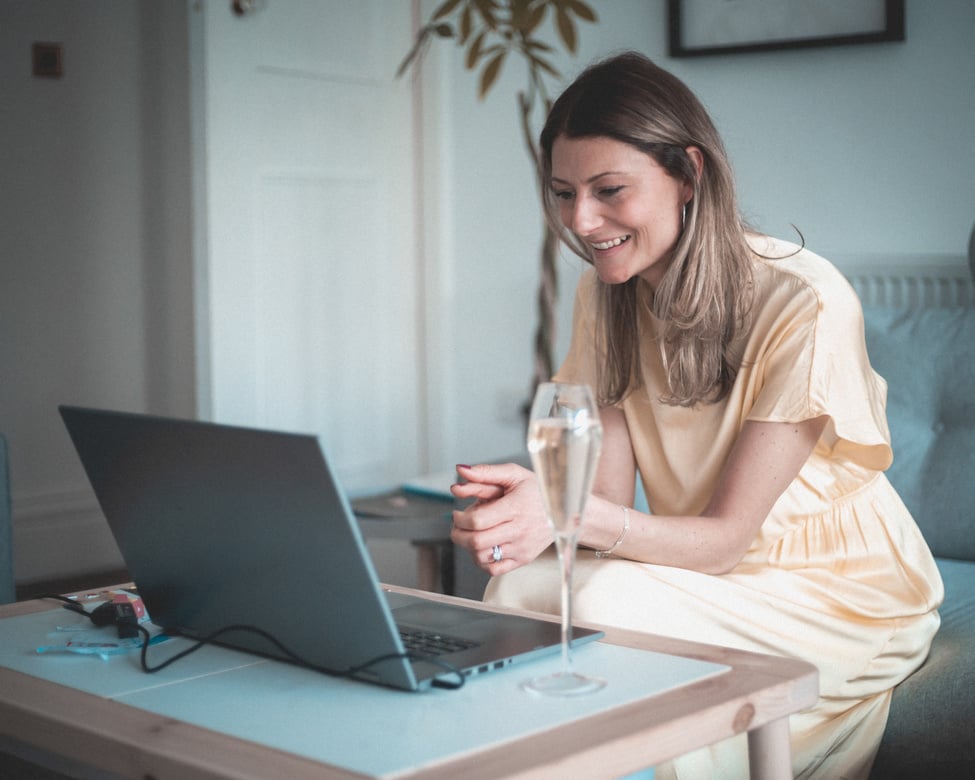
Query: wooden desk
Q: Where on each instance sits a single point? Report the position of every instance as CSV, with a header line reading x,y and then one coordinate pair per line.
x,y
756,695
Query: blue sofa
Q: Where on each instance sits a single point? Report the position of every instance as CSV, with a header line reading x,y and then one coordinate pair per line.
x,y
927,356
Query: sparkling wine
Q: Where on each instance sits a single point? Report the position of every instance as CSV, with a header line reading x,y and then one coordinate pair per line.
x,y
564,439
564,452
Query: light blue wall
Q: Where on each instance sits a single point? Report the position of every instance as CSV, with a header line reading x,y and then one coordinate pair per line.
x,y
866,148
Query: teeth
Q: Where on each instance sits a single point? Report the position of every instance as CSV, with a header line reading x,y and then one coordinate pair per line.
x,y
611,243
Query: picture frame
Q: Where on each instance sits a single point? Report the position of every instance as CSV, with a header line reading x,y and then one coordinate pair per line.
x,y
709,27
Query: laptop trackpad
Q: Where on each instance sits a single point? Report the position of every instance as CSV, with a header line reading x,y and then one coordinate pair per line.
x,y
434,615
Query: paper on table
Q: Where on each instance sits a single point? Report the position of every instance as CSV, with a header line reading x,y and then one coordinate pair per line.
x,y
434,485
401,504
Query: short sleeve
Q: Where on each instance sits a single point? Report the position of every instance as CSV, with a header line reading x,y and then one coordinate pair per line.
x,y
812,361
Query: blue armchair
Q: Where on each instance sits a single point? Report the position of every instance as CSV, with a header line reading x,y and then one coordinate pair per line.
x,y
927,356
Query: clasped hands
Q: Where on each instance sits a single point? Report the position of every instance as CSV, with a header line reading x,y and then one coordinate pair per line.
x,y
507,514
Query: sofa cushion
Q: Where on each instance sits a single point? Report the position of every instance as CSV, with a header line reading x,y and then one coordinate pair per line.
x,y
929,732
927,356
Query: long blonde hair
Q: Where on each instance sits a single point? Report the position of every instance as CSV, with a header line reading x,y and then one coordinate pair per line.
x,y
704,297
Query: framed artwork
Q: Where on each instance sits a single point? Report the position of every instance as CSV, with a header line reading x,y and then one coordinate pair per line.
x,y
703,27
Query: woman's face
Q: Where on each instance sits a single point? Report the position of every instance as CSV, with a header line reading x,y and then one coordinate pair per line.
x,y
620,203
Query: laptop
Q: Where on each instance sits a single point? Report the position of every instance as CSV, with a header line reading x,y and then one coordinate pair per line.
x,y
224,526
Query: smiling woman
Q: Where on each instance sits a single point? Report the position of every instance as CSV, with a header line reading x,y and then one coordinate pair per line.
x,y
734,381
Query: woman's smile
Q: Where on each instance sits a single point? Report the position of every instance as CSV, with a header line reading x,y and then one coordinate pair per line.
x,y
613,242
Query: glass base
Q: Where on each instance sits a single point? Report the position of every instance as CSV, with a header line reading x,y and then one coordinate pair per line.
x,y
564,684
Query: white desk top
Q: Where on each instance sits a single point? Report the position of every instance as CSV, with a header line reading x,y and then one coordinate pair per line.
x,y
219,716
364,728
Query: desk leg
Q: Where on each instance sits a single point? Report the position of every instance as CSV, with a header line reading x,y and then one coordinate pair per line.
x,y
435,566
428,566
769,754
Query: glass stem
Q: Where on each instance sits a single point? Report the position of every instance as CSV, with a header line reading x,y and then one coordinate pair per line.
x,y
565,545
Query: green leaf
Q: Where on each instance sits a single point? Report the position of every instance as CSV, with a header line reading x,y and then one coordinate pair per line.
x,y
415,52
567,30
474,50
581,10
490,73
487,10
519,14
466,24
535,18
546,66
446,9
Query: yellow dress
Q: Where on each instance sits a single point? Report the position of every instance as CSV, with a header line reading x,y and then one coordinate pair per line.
x,y
838,575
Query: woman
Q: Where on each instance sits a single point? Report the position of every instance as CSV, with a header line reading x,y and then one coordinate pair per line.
x,y
733,378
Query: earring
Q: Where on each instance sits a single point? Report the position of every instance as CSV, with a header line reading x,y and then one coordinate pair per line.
x,y
683,215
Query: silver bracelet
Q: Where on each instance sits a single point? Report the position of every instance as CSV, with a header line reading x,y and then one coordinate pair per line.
x,y
626,527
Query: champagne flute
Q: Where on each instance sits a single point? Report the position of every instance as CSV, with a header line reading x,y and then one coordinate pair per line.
x,y
564,439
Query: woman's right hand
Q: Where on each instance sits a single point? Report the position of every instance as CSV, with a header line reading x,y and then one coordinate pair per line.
x,y
507,512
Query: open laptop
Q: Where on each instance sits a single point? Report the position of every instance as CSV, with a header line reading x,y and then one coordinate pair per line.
x,y
222,525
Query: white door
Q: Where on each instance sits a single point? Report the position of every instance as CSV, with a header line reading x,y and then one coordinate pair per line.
x,y
308,294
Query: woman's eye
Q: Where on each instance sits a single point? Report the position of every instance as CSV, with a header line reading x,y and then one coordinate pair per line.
x,y
608,192
563,194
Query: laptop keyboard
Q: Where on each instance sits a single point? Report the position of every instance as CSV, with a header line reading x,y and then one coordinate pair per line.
x,y
431,643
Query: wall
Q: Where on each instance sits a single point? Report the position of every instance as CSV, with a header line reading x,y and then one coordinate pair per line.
x,y
865,148
95,268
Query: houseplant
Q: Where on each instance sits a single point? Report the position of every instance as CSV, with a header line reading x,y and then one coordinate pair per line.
x,y
493,32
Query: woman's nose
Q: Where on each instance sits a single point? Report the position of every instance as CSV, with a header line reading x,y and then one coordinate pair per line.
x,y
584,217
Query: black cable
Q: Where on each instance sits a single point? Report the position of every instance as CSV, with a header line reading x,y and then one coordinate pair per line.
x,y
69,603
74,606
297,659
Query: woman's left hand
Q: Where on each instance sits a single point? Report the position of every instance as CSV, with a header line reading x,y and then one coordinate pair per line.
x,y
507,513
